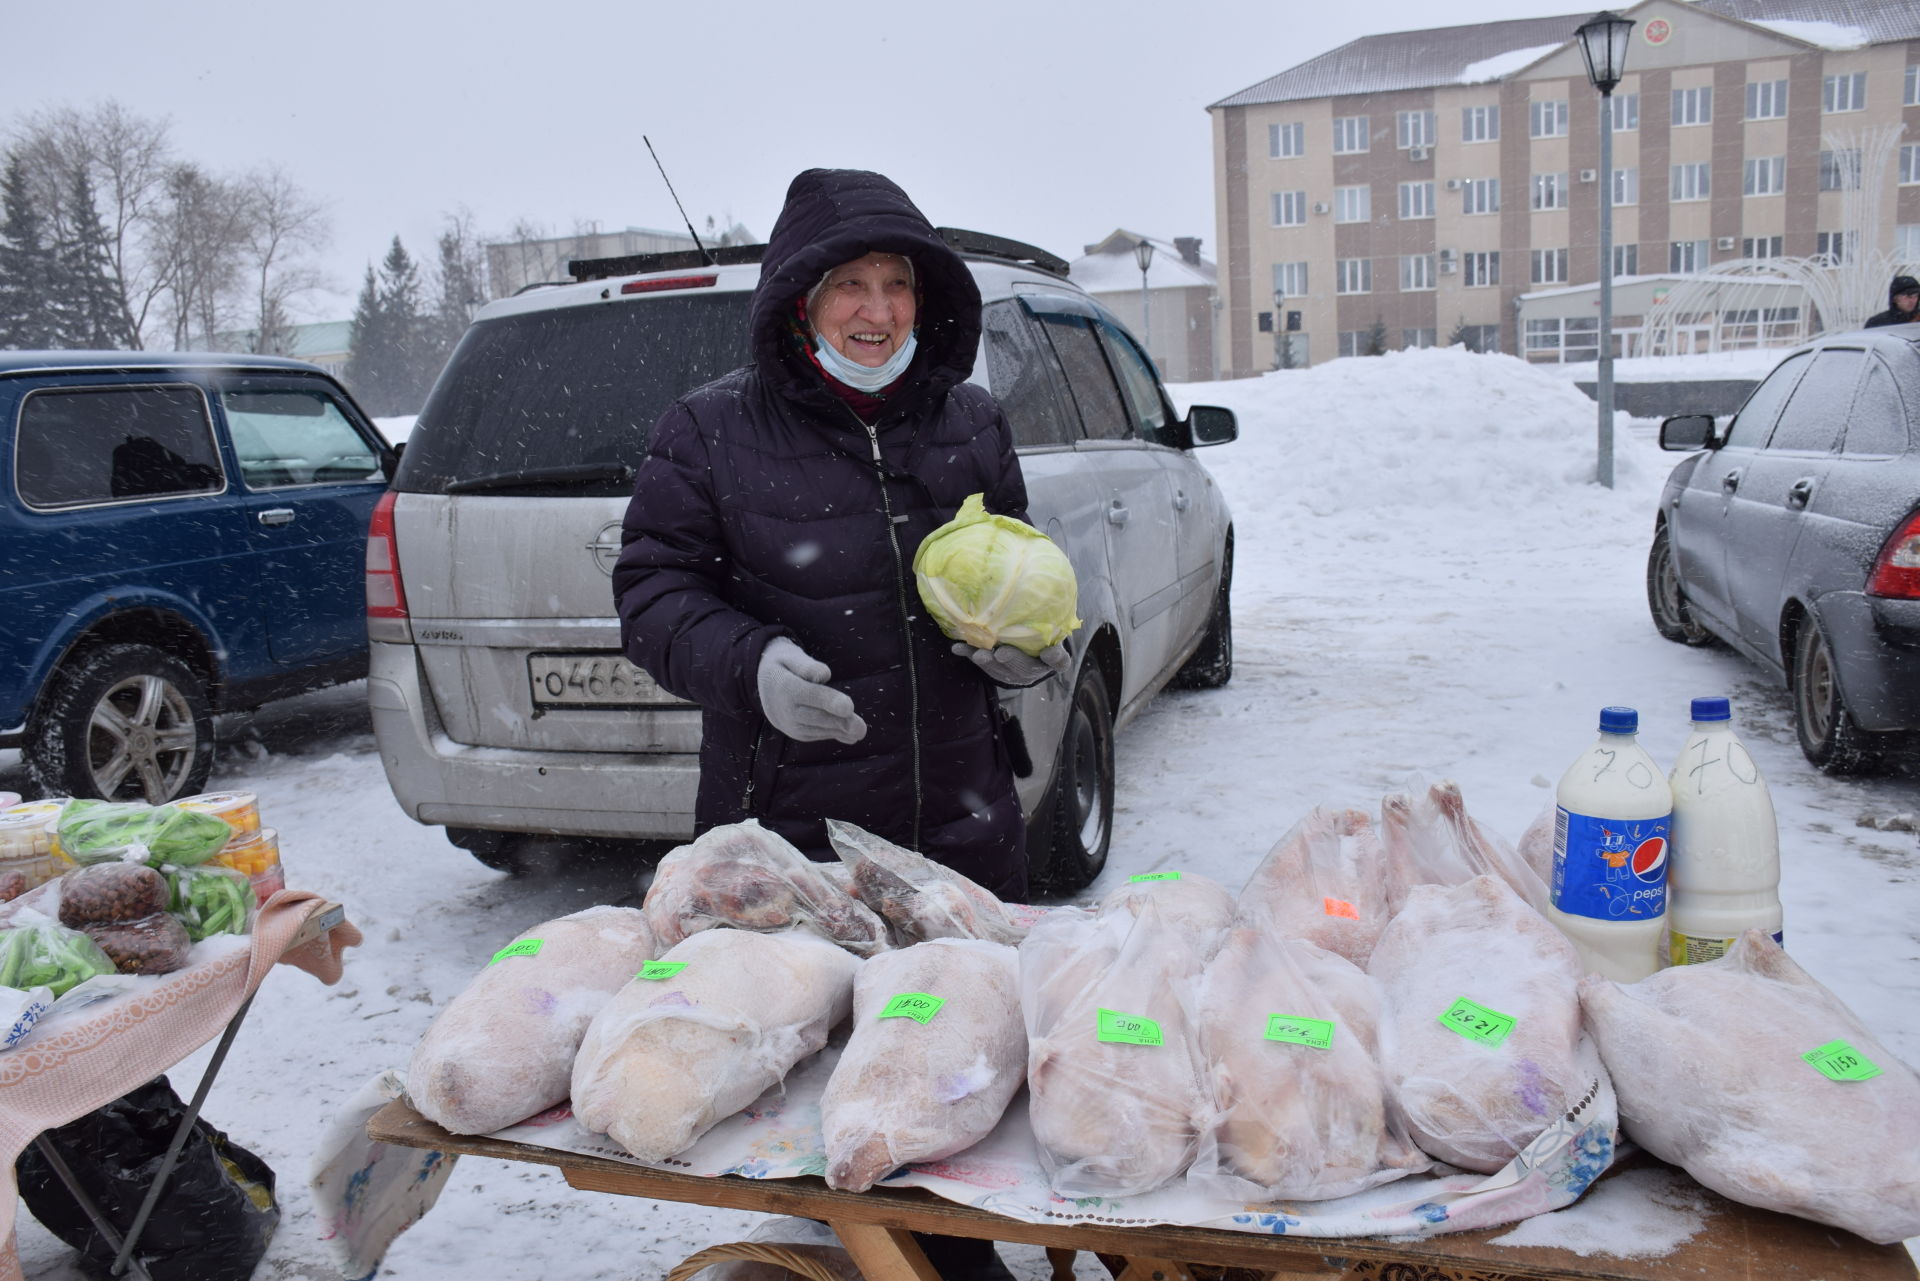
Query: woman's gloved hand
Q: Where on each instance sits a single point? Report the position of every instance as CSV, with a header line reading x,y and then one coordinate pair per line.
x,y
796,699
1005,665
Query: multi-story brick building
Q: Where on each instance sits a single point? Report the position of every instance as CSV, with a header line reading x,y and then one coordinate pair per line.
x,y
1420,182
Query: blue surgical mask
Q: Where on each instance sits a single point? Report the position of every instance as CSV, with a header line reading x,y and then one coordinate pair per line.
x,y
861,377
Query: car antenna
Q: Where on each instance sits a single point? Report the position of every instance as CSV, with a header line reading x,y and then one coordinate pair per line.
x,y
706,259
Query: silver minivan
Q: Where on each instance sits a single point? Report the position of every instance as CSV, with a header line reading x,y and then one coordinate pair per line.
x,y
502,704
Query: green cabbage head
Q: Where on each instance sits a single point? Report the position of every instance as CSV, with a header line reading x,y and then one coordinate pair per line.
x,y
993,580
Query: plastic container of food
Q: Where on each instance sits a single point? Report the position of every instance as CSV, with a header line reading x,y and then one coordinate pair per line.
x,y
241,810
269,883
27,846
48,811
253,855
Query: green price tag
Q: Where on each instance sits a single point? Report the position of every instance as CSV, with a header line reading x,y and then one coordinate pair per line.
x,y
1317,1033
525,947
1838,1061
1476,1022
654,971
1155,876
913,1005
1128,1029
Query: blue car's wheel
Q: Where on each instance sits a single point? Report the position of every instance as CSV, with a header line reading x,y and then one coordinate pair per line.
x,y
123,723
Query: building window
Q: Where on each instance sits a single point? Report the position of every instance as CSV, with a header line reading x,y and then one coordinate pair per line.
x,y
1481,269
1480,124
1691,182
1414,129
1906,240
1764,176
1844,92
1477,337
1836,247
1693,106
1356,342
1626,112
1767,100
1547,119
1290,279
1266,322
1353,276
1416,272
1416,200
1480,196
1550,191
1416,339
1353,204
1626,260
1350,134
1549,266
1684,257
1626,186
1911,97
1759,327
1570,340
1286,142
1763,247
1910,164
1840,170
1289,208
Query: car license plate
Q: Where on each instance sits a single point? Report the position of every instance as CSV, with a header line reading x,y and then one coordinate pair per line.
x,y
593,680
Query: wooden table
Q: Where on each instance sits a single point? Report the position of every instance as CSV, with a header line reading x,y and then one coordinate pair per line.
x,y
1739,1243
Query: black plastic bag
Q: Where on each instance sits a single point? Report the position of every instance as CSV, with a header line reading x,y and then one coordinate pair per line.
x,y
213,1221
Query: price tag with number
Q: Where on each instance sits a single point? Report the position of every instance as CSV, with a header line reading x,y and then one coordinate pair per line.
x,y
1128,1029
917,1006
1838,1061
1340,907
1297,1030
1476,1022
1155,876
525,947
654,971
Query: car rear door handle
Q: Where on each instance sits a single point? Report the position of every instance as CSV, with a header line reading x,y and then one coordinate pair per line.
x,y
1801,493
1731,481
276,516
1117,513
1180,500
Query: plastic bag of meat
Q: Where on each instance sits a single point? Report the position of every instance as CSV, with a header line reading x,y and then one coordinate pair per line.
x,y
503,1048
1757,1081
705,1031
937,1051
918,897
752,879
1324,882
1481,1040
1432,840
1289,1036
1117,1100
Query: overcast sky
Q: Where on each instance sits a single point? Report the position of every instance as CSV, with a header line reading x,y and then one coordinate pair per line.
x,y
1049,122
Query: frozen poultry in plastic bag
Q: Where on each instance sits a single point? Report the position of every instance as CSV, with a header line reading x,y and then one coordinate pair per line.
x,y
1432,840
920,898
1323,882
1185,901
752,879
503,1048
667,1059
1710,1064
907,1090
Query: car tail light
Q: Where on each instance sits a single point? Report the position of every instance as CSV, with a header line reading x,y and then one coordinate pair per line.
x,y
1896,571
386,597
667,282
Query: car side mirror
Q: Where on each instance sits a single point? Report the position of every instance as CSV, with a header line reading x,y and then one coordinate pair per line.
x,y
1687,432
390,460
1211,425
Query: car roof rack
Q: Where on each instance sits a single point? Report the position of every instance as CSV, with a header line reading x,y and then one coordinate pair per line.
x,y
970,244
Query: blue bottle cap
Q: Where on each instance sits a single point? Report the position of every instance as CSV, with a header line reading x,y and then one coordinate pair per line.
x,y
1619,720
1712,709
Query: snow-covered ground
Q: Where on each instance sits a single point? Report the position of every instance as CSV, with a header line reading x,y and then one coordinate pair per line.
x,y
1428,582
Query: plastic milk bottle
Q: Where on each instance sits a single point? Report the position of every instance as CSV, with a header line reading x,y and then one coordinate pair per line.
x,y
1726,847
1610,853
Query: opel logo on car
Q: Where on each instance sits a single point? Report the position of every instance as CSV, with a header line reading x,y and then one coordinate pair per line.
x,y
606,547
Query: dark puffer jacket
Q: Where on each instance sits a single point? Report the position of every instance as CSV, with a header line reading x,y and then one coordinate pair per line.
x,y
1893,315
761,511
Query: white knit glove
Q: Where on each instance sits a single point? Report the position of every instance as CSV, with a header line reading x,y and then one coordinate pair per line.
x,y
1016,669
797,700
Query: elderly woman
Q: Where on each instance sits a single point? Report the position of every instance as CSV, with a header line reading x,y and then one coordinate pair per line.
x,y
766,569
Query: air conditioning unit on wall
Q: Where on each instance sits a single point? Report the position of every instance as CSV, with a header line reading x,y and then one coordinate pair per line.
x,y
1416,153
1321,207
1589,175
1725,242
1448,255
1448,266
1453,184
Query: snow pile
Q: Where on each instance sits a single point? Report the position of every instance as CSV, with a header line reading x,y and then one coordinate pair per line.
x,y
1828,35
1417,431
1755,363
395,429
1502,65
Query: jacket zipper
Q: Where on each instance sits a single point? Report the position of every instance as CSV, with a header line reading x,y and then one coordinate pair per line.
x,y
753,768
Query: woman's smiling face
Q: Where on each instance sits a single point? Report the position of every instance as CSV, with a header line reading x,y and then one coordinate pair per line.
x,y
865,308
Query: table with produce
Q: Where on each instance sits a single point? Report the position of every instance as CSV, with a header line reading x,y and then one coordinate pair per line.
x,y
130,936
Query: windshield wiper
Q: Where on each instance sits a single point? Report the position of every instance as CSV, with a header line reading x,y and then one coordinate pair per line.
x,y
574,474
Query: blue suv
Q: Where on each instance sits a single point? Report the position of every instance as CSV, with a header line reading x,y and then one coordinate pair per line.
x,y
180,535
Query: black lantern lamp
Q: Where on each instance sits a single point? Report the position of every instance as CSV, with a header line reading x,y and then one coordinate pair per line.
x,y
1603,43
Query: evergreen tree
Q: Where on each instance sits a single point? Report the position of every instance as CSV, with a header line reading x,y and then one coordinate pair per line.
x,y
1376,338
1460,337
1282,340
28,266
392,361
368,349
89,302
463,288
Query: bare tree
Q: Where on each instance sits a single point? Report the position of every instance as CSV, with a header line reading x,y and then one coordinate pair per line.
x,y
283,226
202,235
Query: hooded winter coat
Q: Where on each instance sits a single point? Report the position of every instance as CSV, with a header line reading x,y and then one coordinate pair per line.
x,y
1893,315
766,506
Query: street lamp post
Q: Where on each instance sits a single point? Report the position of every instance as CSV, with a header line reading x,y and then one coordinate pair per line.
x,y
1603,43
1143,254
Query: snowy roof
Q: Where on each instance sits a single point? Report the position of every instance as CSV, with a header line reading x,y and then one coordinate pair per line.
x,y
1493,50
1111,267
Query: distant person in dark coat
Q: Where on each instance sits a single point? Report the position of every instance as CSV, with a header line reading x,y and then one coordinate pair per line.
x,y
1903,304
766,567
